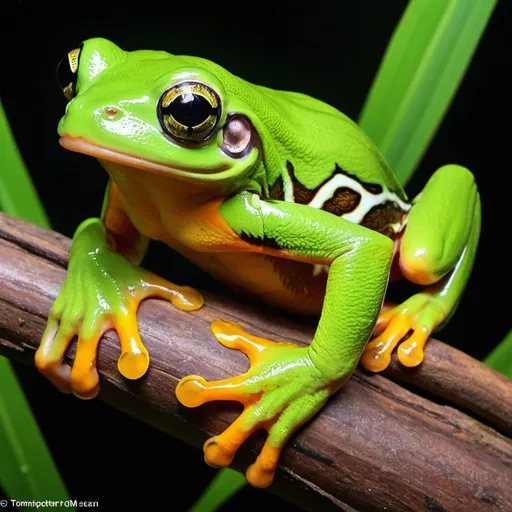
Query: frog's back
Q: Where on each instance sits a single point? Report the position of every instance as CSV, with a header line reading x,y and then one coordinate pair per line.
x,y
316,155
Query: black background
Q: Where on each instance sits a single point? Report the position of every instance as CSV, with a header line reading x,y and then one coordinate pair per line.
x,y
312,47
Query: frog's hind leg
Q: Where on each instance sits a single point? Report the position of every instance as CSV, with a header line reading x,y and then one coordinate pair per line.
x,y
437,250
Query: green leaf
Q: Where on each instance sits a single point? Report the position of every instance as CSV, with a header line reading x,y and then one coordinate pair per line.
x,y
419,75
500,357
225,484
27,470
18,196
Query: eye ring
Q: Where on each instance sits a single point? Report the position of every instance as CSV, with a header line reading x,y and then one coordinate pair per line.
x,y
189,112
67,70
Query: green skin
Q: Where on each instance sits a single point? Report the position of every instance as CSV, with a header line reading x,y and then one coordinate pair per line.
x,y
437,248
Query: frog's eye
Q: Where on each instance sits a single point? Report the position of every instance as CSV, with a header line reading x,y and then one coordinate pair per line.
x,y
189,111
67,73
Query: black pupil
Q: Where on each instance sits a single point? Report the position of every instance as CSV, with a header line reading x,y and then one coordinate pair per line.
x,y
64,74
190,109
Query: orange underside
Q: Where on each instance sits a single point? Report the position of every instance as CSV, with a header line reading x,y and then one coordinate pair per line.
x,y
187,218
280,282
164,209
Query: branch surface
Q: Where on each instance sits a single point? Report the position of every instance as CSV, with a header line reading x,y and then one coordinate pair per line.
x,y
379,444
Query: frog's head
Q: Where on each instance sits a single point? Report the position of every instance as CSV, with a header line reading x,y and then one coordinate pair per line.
x,y
153,111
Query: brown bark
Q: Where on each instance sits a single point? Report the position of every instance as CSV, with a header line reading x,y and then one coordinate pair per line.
x,y
377,445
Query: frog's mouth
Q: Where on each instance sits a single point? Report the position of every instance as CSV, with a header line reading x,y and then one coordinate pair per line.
x,y
81,145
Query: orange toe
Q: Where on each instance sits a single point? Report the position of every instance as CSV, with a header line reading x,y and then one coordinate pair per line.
x,y
410,352
377,355
261,473
217,455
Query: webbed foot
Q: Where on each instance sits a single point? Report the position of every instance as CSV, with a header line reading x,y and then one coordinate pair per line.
x,y
280,392
102,291
422,314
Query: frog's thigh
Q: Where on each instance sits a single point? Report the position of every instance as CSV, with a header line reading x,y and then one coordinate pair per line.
x,y
439,225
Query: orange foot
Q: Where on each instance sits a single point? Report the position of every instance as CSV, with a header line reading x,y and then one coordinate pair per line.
x,y
280,392
91,302
422,314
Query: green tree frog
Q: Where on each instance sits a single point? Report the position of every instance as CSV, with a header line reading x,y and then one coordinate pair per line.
x,y
272,192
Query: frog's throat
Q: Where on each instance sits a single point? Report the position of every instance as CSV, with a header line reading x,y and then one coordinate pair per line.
x,y
81,145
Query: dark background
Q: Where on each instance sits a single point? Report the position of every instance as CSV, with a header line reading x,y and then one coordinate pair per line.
x,y
310,47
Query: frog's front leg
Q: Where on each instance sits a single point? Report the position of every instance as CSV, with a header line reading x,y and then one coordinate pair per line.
x,y
102,291
437,250
286,384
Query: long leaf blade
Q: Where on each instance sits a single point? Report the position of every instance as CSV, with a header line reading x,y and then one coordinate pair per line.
x,y
420,73
226,483
27,471
18,196
500,357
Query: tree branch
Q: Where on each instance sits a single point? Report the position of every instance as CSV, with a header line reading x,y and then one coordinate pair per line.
x,y
376,445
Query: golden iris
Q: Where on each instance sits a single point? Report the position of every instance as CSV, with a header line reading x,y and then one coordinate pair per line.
x,y
189,111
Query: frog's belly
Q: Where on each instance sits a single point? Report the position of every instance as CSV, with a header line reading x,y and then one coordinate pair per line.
x,y
284,283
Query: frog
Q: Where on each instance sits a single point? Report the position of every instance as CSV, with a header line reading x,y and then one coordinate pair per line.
x,y
274,193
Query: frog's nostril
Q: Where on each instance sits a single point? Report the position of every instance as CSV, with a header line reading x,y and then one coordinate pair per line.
x,y
110,111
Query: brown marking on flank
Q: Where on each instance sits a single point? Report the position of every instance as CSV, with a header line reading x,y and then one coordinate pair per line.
x,y
303,195
373,188
277,190
344,200
382,216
